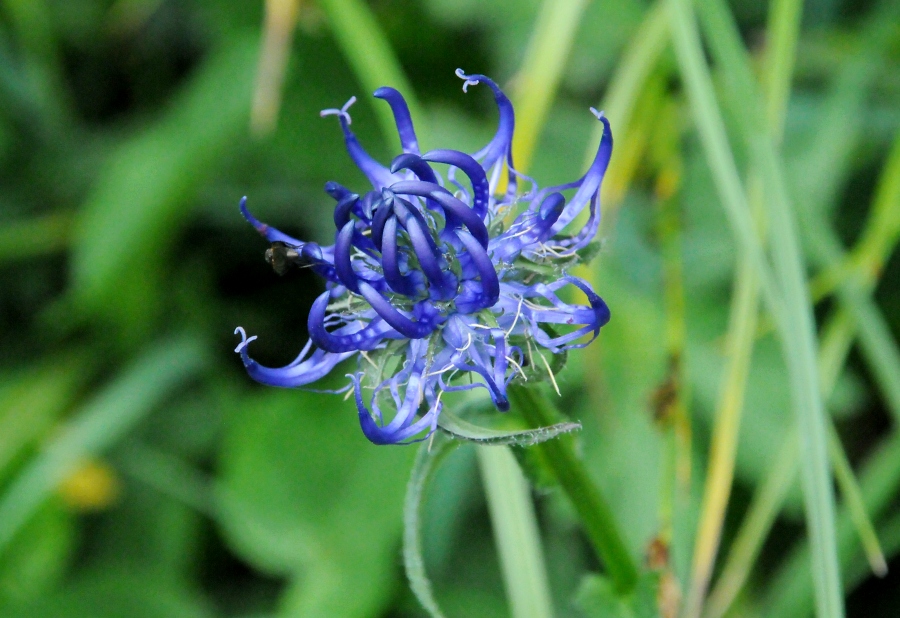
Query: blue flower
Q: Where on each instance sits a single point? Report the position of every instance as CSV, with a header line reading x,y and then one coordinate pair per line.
x,y
438,282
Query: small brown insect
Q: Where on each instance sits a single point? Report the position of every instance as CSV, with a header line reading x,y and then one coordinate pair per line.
x,y
281,257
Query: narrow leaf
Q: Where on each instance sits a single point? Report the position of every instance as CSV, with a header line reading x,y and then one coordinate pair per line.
x,y
462,429
427,461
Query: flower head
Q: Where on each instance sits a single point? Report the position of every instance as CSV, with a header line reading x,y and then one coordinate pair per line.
x,y
437,282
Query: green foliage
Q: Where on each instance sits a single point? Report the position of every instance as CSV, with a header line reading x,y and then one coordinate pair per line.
x,y
280,509
125,266
597,598
461,428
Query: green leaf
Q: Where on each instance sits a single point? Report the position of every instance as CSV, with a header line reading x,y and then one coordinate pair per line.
x,y
427,461
302,493
462,429
144,191
108,594
597,598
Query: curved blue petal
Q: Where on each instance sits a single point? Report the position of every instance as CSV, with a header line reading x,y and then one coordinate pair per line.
x,y
349,338
306,368
402,119
472,169
377,174
416,164
456,212
267,231
406,284
490,284
591,181
408,328
500,147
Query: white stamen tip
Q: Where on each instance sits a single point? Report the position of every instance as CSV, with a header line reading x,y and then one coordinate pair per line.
x,y
245,341
597,115
468,81
340,112
550,373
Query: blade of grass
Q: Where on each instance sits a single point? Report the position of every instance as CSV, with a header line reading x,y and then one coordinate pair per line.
x,y
852,495
782,32
369,53
767,503
858,569
633,70
876,340
278,34
720,158
723,446
769,499
878,238
837,338
516,533
876,243
842,119
790,595
538,79
793,318
783,28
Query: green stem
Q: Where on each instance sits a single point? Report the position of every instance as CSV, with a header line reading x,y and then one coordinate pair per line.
x,y
573,477
516,533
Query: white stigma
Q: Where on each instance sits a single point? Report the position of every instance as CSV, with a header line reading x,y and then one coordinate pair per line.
x,y
343,113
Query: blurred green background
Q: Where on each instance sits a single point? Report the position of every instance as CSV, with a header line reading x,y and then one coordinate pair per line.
x,y
143,474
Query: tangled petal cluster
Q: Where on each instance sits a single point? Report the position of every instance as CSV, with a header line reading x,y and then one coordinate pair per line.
x,y
441,282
